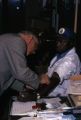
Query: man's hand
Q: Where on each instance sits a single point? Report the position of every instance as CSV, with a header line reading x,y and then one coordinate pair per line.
x,y
29,87
45,79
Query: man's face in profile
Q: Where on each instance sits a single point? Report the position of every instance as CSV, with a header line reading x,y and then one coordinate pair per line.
x,y
32,46
62,45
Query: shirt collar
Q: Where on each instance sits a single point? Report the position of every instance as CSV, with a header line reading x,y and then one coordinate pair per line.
x,y
63,54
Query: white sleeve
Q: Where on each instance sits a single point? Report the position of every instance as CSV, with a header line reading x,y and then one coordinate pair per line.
x,y
64,67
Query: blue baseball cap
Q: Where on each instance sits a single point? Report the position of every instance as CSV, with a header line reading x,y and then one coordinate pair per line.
x,y
66,34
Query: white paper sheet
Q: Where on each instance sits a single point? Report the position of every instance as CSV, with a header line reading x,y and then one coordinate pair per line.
x,y
55,117
22,108
31,118
53,101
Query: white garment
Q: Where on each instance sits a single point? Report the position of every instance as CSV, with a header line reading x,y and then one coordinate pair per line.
x,y
65,67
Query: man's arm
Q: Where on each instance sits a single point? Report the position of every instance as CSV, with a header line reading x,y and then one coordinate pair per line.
x,y
44,90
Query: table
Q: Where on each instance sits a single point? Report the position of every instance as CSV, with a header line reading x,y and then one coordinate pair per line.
x,y
63,100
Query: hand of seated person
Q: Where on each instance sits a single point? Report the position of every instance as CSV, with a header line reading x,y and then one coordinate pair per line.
x,y
45,79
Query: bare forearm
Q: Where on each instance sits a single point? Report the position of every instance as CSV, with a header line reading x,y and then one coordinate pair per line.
x,y
44,89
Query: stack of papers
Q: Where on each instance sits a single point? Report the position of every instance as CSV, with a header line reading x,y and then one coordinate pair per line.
x,y
22,109
45,117
55,117
74,91
52,103
25,108
74,87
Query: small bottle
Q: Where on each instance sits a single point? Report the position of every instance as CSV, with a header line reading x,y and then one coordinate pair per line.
x,y
38,99
40,103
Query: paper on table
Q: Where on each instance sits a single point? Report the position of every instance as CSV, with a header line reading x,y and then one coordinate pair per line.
x,y
54,101
22,108
44,117
74,87
31,118
56,117
51,115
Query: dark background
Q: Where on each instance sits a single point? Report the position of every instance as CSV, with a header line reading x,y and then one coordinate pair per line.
x,y
18,15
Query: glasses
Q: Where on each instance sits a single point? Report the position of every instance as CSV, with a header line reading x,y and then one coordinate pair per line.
x,y
35,42
30,40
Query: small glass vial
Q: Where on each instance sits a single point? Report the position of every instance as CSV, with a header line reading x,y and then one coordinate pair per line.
x,y
38,99
40,103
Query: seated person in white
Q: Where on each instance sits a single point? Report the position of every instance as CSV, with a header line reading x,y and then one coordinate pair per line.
x,y
65,64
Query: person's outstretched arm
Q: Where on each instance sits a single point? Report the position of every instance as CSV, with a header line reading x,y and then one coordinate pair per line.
x,y
43,89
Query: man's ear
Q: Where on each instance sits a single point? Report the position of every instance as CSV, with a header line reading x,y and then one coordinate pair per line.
x,y
26,37
29,37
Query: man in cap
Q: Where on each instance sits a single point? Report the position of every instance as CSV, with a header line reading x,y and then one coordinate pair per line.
x,y
65,64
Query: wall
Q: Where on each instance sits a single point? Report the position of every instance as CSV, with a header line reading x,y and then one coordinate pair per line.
x,y
0,16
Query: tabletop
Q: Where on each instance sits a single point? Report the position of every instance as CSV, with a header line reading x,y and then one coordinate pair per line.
x,y
63,100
